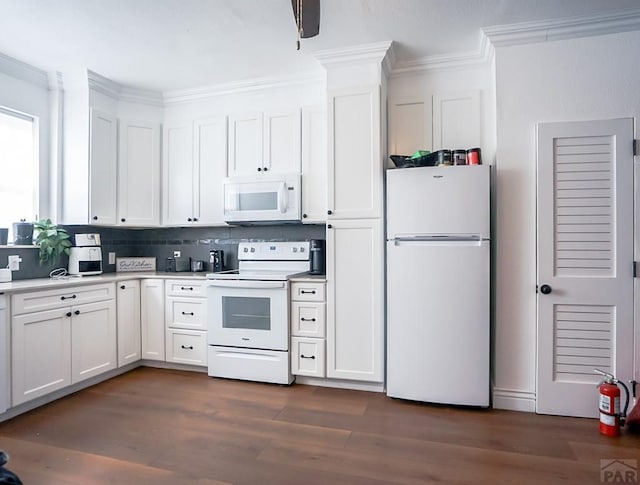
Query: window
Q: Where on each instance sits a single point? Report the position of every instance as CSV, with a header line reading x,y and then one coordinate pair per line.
x,y
18,168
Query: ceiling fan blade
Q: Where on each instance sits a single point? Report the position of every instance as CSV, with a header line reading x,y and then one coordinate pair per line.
x,y
310,16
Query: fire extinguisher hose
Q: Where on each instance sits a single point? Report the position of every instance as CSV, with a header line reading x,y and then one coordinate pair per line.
x,y
623,414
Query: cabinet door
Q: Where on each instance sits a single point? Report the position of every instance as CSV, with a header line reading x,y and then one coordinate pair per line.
x,y
139,174
128,318
355,300
102,168
456,120
210,146
409,126
93,340
282,133
152,316
41,354
314,165
355,168
5,354
177,174
245,144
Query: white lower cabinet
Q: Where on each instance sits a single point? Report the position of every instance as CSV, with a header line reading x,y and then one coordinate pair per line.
x,y
186,322
55,347
308,315
355,300
128,317
152,319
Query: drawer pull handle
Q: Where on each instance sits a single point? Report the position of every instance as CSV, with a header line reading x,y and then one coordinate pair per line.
x,y
68,314
190,288
187,313
305,292
77,312
68,297
307,319
307,356
245,338
190,347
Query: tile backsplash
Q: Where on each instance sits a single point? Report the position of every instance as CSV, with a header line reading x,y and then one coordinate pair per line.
x,y
192,242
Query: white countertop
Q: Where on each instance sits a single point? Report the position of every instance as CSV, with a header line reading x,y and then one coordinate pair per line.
x,y
48,283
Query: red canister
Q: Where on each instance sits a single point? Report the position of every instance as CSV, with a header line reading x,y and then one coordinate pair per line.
x,y
474,157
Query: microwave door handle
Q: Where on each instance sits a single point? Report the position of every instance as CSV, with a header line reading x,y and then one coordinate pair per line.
x,y
282,197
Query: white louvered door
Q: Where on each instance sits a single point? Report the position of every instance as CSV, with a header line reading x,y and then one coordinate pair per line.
x,y
585,258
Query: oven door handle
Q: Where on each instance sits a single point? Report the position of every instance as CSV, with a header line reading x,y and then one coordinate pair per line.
x,y
247,284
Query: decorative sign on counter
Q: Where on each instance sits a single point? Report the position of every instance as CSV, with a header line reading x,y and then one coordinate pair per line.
x,y
135,264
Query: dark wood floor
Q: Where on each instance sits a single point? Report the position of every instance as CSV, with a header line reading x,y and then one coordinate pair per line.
x,y
161,426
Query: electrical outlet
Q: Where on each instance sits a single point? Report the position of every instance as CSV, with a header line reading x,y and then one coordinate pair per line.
x,y
176,254
112,258
13,262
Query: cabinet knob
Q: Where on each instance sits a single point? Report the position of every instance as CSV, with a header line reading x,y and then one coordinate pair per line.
x,y
122,220
195,219
68,314
545,289
95,218
304,216
122,287
329,212
77,312
189,219
307,356
329,226
259,169
190,347
265,169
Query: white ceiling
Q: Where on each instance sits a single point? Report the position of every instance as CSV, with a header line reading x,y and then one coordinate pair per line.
x,y
178,44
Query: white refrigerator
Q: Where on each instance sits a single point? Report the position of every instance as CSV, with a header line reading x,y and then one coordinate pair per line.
x,y
438,287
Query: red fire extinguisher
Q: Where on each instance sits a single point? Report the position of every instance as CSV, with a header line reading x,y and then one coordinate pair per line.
x,y
611,419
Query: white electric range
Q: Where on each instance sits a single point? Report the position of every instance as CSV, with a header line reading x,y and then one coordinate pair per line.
x,y
248,312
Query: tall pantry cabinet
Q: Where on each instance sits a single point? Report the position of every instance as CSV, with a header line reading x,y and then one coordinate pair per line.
x,y
355,256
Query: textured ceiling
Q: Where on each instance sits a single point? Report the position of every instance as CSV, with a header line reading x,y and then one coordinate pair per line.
x,y
179,44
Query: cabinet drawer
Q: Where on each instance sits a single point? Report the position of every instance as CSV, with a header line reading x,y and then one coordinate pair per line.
x,y
185,288
188,313
187,347
36,301
308,319
307,291
307,356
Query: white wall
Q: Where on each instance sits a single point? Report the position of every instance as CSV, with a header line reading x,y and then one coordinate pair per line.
x,y
32,99
578,79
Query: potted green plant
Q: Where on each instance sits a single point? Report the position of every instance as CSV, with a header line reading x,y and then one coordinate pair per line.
x,y
52,240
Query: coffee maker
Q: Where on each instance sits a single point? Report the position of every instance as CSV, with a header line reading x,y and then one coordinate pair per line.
x,y
317,252
216,259
86,257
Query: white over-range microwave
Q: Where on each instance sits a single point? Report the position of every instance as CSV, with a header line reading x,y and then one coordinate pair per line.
x,y
268,198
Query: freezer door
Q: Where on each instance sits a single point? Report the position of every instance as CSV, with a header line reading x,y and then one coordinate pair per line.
x,y
438,200
438,322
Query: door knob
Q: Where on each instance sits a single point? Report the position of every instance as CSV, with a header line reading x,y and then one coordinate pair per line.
x,y
545,289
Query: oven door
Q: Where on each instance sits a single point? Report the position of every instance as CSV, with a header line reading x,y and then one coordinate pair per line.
x,y
253,314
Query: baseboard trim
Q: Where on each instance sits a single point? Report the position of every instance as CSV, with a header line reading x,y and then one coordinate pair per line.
x,y
514,400
340,384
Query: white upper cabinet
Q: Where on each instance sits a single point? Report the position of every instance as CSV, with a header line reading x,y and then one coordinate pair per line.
x,y
194,165
314,165
103,153
210,160
264,142
355,170
456,120
409,126
177,174
139,174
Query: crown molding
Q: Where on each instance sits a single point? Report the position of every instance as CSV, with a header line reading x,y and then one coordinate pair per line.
x,y
564,28
23,71
250,85
482,56
122,93
381,52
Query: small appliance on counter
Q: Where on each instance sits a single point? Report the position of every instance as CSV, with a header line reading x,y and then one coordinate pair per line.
x,y
23,233
86,257
216,259
317,254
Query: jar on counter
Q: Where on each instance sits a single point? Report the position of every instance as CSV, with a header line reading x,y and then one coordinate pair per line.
x,y
459,157
474,157
444,157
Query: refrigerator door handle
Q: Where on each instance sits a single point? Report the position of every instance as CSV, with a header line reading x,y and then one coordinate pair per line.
x,y
474,239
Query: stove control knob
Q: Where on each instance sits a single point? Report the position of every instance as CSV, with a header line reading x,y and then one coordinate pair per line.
x,y
302,250
246,250
253,250
295,250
